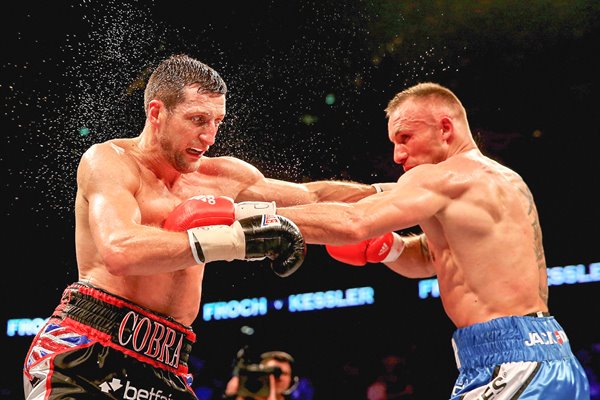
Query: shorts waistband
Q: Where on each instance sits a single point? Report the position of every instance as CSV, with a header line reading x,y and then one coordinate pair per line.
x,y
120,323
510,339
538,314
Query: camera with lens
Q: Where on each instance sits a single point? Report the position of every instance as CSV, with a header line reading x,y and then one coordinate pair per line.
x,y
253,376
254,379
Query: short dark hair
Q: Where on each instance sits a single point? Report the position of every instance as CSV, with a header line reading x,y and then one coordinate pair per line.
x,y
175,73
277,355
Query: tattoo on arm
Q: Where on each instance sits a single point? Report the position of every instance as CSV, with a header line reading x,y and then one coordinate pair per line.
x,y
538,247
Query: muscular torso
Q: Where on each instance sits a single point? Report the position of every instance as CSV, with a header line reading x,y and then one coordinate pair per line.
x,y
176,294
486,242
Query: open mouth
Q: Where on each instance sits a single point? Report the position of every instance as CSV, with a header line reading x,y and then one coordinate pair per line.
x,y
195,151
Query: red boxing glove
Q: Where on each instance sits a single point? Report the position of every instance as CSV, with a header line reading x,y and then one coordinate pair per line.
x,y
204,210
201,211
382,249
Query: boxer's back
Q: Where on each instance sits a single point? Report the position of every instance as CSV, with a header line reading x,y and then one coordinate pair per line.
x,y
490,211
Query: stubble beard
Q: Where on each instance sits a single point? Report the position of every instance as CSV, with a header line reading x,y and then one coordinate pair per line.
x,y
183,165
179,160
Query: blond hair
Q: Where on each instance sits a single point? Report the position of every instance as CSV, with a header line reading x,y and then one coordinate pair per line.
x,y
427,90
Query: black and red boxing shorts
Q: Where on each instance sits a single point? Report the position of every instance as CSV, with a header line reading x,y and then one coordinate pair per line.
x,y
98,345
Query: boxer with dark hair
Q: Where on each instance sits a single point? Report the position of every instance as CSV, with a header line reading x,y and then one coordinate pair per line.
x,y
481,237
150,212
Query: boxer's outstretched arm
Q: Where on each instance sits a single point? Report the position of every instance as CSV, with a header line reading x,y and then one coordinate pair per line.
x,y
416,198
244,182
286,193
252,185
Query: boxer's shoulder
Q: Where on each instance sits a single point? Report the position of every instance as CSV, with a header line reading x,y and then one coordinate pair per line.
x,y
231,168
224,163
114,150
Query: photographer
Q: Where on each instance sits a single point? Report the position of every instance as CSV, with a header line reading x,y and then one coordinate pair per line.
x,y
271,379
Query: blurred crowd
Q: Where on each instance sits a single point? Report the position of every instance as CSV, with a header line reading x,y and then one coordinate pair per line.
x,y
391,375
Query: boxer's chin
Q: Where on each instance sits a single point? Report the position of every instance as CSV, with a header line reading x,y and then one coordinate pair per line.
x,y
186,163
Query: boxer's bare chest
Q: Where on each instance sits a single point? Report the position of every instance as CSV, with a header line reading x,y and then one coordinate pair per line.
x,y
157,199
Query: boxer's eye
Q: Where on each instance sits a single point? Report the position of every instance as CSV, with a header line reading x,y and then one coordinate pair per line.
x,y
199,120
403,138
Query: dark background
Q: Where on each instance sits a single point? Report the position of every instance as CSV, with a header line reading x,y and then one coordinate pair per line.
x,y
72,74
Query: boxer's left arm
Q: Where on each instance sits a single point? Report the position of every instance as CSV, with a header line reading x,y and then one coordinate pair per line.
x,y
286,193
251,185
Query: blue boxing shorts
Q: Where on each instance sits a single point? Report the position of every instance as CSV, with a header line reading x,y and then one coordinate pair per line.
x,y
521,358
100,346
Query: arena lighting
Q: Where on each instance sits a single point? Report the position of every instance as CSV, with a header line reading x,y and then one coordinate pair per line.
x,y
567,275
24,326
323,300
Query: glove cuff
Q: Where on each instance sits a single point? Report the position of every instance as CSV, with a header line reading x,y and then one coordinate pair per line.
x,y
196,248
217,242
396,250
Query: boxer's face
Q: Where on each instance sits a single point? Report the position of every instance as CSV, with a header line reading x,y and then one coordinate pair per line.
x,y
190,128
417,137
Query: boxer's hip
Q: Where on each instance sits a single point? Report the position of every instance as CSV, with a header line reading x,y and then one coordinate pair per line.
x,y
116,322
510,339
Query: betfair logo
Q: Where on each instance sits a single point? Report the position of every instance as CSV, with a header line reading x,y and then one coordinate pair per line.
x,y
113,385
131,392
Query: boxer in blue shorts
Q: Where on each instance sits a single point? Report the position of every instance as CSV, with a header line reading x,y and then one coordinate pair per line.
x,y
534,350
480,237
